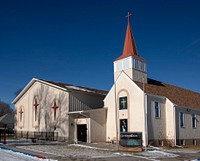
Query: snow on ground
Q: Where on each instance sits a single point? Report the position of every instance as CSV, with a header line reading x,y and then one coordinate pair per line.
x,y
89,147
8,155
182,151
158,154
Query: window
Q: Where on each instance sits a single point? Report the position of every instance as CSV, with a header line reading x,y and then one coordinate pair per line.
x,y
181,119
123,103
35,108
123,125
194,141
157,110
194,123
21,114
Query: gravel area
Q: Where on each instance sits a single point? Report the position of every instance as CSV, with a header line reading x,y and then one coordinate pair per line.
x,y
98,152
72,150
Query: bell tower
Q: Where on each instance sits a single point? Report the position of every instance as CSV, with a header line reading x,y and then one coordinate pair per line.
x,y
130,62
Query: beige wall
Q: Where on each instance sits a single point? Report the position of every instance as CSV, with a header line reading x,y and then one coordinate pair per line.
x,y
95,120
98,125
156,126
135,112
170,122
46,95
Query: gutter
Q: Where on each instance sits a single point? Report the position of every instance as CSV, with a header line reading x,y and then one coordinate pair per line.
x,y
78,112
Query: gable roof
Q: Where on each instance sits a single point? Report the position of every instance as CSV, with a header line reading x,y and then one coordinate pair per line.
x,y
179,96
61,86
77,88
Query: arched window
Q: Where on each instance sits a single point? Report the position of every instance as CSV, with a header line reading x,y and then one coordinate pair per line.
x,y
55,109
35,108
21,111
20,116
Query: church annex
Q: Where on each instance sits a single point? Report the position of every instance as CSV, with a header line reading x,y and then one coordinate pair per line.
x,y
153,112
59,111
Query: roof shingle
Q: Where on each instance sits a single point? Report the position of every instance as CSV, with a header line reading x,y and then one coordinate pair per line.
x,y
77,88
179,96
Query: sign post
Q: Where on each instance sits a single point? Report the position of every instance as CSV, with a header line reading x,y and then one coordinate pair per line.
x,y
131,139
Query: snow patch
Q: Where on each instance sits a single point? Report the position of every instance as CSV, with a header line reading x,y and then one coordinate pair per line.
x,y
79,89
9,155
89,147
158,154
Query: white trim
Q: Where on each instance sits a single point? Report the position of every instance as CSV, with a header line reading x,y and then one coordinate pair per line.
x,y
30,84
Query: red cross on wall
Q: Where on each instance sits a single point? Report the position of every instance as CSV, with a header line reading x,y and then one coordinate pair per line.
x,y
54,109
35,105
20,115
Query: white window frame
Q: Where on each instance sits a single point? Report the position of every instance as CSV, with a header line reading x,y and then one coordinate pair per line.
x,y
157,106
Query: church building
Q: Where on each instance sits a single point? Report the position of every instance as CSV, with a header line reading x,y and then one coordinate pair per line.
x,y
58,111
137,111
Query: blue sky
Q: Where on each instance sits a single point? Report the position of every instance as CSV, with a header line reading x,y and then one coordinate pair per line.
x,y
76,41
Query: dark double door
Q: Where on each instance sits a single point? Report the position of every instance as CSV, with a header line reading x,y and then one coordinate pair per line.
x,y
82,132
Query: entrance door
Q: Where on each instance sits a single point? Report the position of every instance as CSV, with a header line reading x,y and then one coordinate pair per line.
x,y
82,133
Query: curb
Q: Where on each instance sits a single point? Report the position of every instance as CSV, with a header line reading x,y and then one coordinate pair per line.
x,y
32,155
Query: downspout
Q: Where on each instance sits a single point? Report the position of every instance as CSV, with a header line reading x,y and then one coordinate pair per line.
x,y
28,112
174,124
145,112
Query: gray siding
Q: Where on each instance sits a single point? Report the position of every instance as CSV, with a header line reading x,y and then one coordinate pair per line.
x,y
187,132
81,102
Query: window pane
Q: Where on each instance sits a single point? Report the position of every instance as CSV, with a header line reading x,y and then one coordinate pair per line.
x,y
181,119
157,109
193,120
123,125
122,103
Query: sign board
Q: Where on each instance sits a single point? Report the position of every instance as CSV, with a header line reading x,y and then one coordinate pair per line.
x,y
131,139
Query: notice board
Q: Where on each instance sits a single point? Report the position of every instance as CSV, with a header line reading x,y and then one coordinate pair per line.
x,y
131,139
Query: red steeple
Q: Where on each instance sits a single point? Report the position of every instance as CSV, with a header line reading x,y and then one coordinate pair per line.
x,y
129,43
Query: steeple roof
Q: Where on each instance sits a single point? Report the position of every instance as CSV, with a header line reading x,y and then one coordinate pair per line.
x,y
129,43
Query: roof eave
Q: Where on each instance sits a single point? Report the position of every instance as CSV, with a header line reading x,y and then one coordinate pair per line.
x,y
30,84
